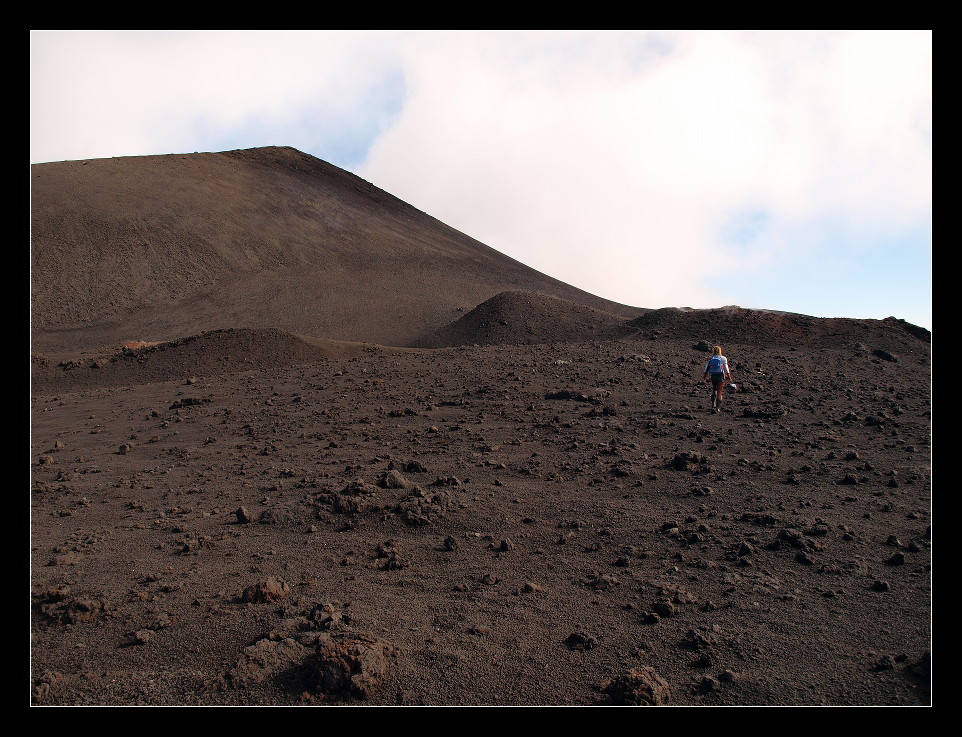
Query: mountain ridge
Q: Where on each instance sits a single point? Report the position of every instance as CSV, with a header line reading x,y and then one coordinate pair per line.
x,y
159,247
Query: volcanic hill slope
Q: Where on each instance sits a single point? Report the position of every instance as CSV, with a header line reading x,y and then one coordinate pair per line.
x,y
350,456
157,248
524,318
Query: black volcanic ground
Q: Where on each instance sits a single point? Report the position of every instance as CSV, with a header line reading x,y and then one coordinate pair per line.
x,y
352,456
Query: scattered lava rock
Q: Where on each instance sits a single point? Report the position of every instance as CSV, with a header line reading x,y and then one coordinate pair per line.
x,y
771,411
424,507
268,590
393,480
703,638
688,461
73,611
897,559
351,665
389,557
580,641
884,355
573,396
640,686
263,660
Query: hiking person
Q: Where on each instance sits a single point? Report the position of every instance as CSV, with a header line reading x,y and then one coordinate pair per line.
x,y
718,372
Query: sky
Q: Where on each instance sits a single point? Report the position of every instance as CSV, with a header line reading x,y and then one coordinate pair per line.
x,y
784,170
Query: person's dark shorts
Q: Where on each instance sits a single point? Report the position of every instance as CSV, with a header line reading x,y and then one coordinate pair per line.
x,y
717,379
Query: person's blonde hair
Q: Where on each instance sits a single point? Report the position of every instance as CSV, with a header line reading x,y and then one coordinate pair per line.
x,y
716,351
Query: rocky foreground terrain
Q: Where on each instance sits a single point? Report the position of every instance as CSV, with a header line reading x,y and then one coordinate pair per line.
x,y
296,442
554,524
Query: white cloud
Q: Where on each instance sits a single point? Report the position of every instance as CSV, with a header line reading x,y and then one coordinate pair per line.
x,y
616,175
620,162
98,94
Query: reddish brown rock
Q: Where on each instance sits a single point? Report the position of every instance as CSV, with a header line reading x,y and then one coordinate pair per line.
x,y
641,686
